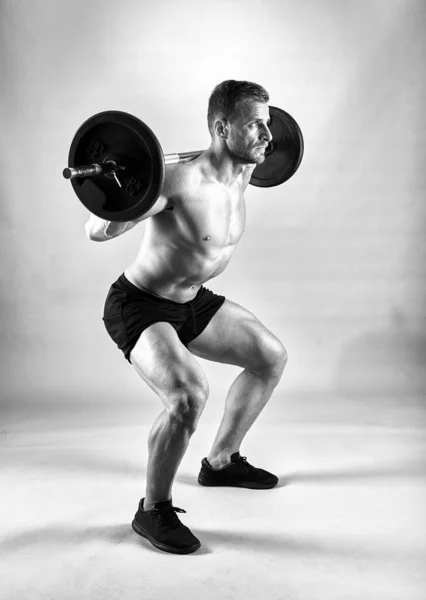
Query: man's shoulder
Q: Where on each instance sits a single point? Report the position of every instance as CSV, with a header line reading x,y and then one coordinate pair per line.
x,y
181,180
181,174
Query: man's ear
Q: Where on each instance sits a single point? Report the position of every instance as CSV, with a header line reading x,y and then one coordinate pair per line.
x,y
221,128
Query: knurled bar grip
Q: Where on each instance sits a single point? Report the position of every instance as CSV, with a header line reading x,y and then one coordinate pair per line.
x,y
90,170
111,166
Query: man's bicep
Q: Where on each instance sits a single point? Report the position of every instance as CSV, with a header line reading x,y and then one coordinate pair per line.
x,y
100,230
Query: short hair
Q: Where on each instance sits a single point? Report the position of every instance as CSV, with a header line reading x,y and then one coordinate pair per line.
x,y
225,96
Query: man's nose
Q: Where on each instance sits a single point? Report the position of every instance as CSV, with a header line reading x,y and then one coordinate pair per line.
x,y
266,134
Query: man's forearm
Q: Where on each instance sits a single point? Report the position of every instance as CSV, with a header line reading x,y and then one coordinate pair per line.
x,y
100,230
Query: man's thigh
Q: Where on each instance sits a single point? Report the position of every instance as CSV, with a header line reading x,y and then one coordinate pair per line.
x,y
235,336
164,363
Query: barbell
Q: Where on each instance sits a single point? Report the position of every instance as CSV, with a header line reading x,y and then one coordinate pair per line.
x,y
117,166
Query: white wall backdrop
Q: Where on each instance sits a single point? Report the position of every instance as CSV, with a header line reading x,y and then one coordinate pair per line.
x,y
333,261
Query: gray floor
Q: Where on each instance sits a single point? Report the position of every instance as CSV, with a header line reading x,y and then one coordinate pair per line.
x,y
347,520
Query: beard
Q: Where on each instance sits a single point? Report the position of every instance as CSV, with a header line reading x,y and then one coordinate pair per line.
x,y
249,156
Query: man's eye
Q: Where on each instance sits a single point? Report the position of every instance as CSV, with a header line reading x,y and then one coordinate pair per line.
x,y
254,124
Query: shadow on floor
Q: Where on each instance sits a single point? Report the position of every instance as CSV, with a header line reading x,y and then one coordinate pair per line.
x,y
63,535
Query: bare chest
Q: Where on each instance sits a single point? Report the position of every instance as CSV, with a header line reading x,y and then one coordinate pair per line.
x,y
215,218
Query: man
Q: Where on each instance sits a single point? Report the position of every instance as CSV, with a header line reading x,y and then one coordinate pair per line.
x,y
161,316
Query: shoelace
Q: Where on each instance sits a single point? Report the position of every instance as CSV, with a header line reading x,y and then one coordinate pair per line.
x,y
246,466
168,516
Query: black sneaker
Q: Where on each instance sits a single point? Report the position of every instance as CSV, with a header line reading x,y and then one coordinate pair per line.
x,y
161,526
239,473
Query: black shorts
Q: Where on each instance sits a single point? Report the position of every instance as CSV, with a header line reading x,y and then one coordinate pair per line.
x,y
129,311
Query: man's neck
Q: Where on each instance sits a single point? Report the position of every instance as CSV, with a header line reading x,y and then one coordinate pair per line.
x,y
226,169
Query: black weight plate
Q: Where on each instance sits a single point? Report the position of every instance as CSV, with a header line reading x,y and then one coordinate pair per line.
x,y
283,155
118,136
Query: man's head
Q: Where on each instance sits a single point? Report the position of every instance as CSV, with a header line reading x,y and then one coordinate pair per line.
x,y
238,117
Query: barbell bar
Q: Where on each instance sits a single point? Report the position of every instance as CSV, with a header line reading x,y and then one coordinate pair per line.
x,y
116,164
111,166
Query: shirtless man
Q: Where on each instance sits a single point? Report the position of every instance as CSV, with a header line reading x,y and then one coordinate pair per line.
x,y
161,316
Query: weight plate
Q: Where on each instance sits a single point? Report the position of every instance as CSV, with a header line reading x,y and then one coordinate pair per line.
x,y
283,155
118,136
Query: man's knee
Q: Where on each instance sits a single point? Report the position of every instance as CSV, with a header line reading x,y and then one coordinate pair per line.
x,y
272,358
186,402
